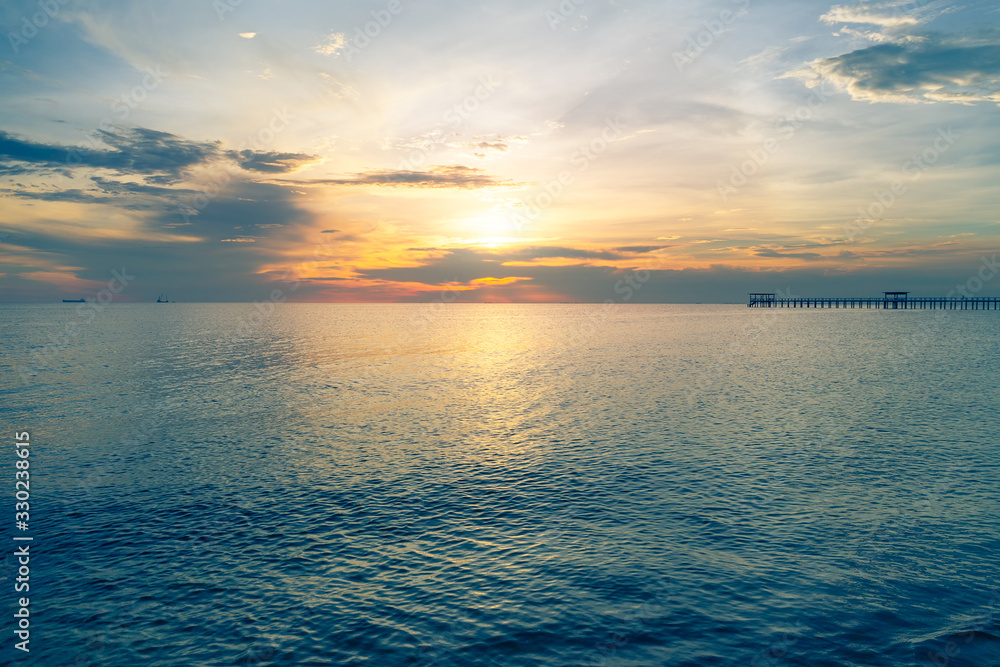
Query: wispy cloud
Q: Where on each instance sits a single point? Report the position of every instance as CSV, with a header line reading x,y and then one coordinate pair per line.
x,y
333,45
451,176
885,14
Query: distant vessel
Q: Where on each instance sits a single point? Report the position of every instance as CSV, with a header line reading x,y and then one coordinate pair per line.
x,y
74,301
163,298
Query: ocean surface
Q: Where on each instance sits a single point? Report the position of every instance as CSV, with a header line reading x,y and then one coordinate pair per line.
x,y
505,485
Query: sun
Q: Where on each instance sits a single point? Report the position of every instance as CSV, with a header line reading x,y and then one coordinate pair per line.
x,y
489,225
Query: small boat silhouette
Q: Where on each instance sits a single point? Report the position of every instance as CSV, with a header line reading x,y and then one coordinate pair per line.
x,y
74,301
163,298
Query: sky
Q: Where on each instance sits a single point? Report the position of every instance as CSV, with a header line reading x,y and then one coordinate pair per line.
x,y
499,151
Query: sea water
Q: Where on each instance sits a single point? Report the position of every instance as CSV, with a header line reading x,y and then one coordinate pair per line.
x,y
499,484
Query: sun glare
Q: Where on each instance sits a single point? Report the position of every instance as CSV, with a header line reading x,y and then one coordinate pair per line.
x,y
490,225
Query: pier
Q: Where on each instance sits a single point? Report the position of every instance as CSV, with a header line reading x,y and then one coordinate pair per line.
x,y
888,301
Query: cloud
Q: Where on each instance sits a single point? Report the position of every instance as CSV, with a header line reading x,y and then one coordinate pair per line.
x,y
471,266
144,151
885,14
487,273
770,252
334,44
262,209
765,57
213,261
122,187
451,176
74,195
271,162
930,69
641,249
160,157
248,35
129,196
19,150
486,145
78,196
495,143
865,35
533,253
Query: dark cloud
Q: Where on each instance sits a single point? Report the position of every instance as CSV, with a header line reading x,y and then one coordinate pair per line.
x,y
14,170
531,253
469,264
461,265
124,187
209,269
551,252
215,271
160,157
547,252
451,176
75,195
19,150
465,265
929,68
641,249
716,284
271,162
263,208
126,195
770,252
144,151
